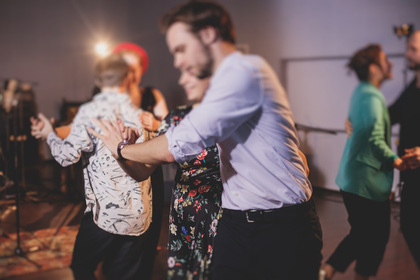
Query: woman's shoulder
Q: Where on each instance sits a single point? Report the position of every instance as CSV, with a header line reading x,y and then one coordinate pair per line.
x,y
177,114
174,117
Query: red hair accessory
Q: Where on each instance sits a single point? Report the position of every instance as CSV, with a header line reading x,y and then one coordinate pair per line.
x,y
127,46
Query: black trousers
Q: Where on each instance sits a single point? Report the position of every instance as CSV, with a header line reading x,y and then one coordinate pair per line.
x,y
122,255
410,217
370,225
283,244
153,234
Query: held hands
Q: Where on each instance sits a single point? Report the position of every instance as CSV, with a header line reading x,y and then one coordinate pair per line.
x,y
113,133
412,157
410,160
400,164
149,121
41,127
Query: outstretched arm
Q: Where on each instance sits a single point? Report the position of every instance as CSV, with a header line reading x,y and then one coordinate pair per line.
x,y
152,152
149,121
412,157
37,124
41,127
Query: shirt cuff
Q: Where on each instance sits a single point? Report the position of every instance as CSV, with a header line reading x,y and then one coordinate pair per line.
x,y
392,159
174,149
52,136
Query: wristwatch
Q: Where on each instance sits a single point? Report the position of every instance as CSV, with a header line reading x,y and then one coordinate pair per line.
x,y
121,145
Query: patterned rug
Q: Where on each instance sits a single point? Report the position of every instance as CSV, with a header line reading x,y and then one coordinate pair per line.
x,y
44,250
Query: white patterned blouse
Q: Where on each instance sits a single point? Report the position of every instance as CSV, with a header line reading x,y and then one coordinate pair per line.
x,y
120,205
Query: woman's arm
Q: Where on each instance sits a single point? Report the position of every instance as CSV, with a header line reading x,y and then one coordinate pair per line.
x,y
373,121
150,121
161,109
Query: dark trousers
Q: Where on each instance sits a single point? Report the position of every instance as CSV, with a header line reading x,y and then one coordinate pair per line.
x,y
370,225
122,255
410,217
284,244
154,229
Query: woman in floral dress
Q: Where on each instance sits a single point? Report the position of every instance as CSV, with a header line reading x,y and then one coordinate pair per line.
x,y
194,210
196,199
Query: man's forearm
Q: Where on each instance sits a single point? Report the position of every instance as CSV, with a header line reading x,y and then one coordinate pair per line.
x,y
136,170
154,151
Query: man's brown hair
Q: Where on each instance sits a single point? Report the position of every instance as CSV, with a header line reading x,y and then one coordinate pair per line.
x,y
199,14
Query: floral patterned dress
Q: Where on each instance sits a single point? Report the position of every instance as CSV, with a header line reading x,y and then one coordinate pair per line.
x,y
195,210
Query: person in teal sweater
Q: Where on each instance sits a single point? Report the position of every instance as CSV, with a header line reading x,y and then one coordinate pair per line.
x,y
365,174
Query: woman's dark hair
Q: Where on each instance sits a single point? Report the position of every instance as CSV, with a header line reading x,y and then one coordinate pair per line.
x,y
363,58
199,14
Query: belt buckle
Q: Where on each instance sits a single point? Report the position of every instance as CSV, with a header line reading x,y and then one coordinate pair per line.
x,y
247,217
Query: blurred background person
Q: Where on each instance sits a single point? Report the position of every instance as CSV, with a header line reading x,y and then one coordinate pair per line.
x,y
365,173
154,108
196,198
118,213
150,99
405,111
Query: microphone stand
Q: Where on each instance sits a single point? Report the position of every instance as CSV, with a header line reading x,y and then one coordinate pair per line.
x,y
18,250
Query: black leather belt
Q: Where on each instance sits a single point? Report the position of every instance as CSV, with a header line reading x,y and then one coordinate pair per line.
x,y
269,215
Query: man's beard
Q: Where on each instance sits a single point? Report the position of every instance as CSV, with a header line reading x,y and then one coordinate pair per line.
x,y
207,69
413,66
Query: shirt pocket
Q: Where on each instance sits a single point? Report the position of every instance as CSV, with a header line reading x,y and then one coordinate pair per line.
x,y
369,160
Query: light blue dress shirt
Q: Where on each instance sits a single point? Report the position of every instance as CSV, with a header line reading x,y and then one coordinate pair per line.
x,y
247,113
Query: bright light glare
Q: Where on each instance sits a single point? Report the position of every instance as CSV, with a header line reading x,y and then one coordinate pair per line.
x,y
102,49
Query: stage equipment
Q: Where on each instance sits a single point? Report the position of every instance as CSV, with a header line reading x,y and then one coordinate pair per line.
x,y
5,183
404,30
17,107
13,106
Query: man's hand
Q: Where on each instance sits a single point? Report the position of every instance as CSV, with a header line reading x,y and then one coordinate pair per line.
x,y
348,127
149,121
412,157
129,133
41,127
400,164
113,133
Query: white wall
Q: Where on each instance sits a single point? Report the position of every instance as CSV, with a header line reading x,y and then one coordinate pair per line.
x,y
319,91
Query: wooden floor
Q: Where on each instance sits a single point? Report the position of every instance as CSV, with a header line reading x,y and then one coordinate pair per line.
x,y
397,264
56,209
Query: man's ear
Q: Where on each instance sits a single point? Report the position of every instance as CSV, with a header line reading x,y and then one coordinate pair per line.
x,y
373,69
98,83
208,35
126,81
